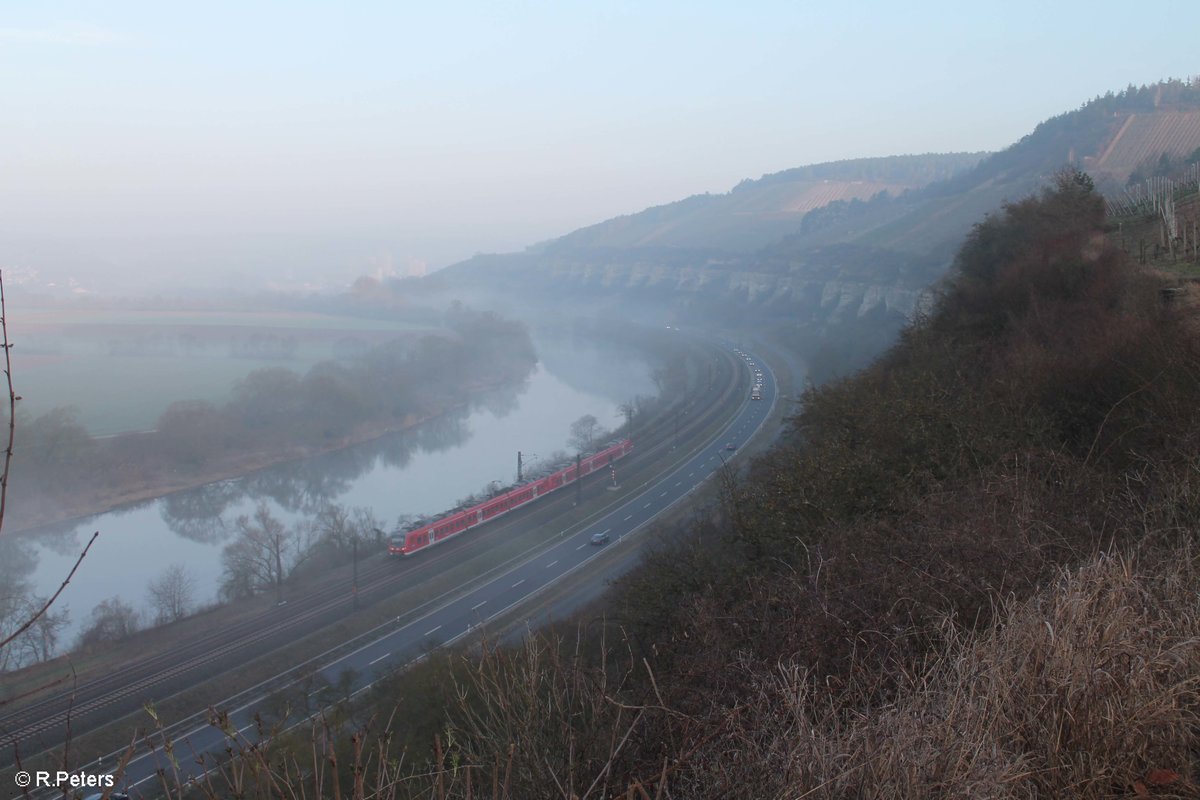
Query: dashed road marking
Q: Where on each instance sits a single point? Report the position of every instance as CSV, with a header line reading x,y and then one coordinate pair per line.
x,y
477,606
518,583
552,563
381,658
627,518
435,630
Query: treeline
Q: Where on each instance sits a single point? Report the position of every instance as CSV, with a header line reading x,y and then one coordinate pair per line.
x,y
968,571
264,555
273,411
916,169
1080,131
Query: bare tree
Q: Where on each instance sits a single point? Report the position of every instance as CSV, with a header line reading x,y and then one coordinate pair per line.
x,y
171,594
14,610
627,410
264,554
369,526
670,378
335,528
112,620
339,527
584,432
40,641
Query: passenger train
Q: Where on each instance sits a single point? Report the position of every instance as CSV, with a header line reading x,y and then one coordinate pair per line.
x,y
431,533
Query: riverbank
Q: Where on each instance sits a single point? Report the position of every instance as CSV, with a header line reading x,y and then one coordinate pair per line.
x,y
140,482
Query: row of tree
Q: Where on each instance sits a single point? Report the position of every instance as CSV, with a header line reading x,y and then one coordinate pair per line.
x,y
272,410
264,554
170,597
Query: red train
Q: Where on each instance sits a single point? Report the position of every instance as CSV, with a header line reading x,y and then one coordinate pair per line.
x,y
429,534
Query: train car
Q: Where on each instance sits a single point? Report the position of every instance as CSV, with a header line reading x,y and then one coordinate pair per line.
x,y
449,526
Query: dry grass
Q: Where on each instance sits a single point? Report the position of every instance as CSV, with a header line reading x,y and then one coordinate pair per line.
x,y
1087,690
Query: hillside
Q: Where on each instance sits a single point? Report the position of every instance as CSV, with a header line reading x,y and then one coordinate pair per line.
x,y
841,246
967,571
1143,138
757,212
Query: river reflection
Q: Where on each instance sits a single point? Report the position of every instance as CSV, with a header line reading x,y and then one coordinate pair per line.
x,y
419,472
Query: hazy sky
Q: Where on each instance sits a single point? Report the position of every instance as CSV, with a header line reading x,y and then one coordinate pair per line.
x,y
314,141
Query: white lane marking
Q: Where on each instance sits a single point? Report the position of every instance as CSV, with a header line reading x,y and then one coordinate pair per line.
x,y
552,563
518,583
627,518
477,606
691,474
435,630
646,506
679,483
585,544
381,658
664,494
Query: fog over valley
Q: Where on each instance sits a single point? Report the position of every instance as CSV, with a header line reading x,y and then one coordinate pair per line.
x,y
672,400
324,144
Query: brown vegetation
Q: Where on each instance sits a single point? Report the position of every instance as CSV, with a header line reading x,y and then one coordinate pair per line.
x,y
862,616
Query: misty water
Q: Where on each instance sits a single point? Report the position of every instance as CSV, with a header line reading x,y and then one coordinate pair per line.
x,y
418,472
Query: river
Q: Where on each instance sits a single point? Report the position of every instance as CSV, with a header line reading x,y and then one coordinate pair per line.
x,y
419,472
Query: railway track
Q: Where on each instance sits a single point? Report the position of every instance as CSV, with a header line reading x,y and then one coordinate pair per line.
x,y
44,724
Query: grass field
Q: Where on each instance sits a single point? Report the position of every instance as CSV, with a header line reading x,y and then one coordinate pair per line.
x,y
122,368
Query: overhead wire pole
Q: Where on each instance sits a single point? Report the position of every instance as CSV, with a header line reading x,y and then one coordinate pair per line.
x,y
522,460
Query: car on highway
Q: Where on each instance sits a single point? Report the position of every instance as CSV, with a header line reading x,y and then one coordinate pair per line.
x,y
599,538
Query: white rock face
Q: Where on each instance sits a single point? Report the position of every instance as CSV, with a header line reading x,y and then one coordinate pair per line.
x,y
829,298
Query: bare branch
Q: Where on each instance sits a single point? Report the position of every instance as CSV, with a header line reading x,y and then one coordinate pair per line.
x,y
12,402
29,622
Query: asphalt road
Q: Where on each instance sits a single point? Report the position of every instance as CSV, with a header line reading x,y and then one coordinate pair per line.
x,y
457,617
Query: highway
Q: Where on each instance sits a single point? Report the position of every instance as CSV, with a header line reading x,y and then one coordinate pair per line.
x,y
455,616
